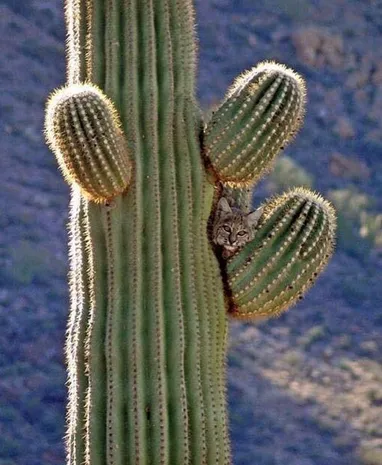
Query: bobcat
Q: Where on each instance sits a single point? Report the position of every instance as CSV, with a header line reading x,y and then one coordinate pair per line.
x,y
232,228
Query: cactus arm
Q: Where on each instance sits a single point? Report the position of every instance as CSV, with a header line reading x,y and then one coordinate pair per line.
x,y
293,244
84,131
261,113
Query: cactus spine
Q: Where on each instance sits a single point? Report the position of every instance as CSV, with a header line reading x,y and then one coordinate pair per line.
x,y
147,331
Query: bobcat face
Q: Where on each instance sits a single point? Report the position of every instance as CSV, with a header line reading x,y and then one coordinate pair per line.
x,y
232,231
232,228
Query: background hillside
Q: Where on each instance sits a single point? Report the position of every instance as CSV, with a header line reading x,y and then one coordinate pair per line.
x,y
305,389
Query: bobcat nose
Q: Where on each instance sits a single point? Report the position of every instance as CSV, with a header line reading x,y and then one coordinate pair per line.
x,y
232,239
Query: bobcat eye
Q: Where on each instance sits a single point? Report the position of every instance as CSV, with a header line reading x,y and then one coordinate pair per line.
x,y
241,233
226,228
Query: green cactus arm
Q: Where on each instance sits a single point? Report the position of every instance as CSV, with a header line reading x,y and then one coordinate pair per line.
x,y
293,243
261,113
84,132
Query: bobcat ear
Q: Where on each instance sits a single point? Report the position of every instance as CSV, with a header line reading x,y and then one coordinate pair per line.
x,y
254,217
224,205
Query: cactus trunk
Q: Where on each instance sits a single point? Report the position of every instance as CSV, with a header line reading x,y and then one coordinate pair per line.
x,y
147,335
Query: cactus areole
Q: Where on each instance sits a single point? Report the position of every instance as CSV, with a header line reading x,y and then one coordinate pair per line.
x,y
150,297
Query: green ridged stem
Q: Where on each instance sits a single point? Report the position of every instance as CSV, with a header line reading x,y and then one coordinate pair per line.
x,y
83,131
293,243
261,113
147,333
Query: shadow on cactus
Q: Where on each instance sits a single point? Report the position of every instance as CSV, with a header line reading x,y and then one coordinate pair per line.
x,y
147,333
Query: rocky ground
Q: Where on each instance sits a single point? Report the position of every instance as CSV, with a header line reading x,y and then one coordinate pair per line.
x,y
304,389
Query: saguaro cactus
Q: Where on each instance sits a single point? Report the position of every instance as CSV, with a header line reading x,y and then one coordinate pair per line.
x,y
146,341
